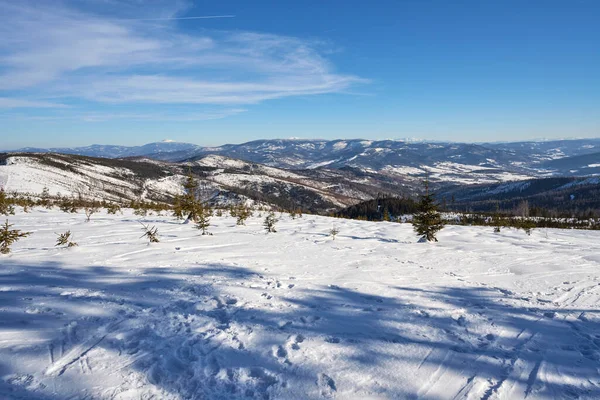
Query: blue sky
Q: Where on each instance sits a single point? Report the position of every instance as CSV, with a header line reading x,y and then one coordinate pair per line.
x,y
212,72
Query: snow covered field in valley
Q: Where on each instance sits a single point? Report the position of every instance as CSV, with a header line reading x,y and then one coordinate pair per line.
x,y
294,314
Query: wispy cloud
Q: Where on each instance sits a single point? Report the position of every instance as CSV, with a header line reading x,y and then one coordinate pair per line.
x,y
8,102
54,53
94,117
179,18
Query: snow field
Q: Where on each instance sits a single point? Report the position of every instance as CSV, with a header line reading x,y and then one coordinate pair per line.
x,y
295,314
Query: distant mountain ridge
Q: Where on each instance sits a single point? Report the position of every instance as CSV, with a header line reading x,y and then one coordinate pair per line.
x,y
444,161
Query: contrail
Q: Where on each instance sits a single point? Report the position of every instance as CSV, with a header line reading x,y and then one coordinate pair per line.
x,y
175,18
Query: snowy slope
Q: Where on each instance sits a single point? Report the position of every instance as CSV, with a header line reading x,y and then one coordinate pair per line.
x,y
296,315
114,179
89,177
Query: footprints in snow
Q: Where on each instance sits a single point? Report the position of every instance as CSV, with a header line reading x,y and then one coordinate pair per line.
x,y
292,344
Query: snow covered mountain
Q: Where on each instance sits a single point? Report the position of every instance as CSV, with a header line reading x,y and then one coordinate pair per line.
x,y
225,179
157,150
446,162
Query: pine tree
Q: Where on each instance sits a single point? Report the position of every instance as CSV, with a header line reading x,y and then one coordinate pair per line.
x,y
9,236
45,198
189,204
427,221
177,209
386,215
6,207
333,232
270,222
242,213
151,233
65,239
203,219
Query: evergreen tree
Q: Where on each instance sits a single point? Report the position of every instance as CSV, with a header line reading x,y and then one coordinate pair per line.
x,y
333,232
241,212
177,208
6,207
386,215
45,198
203,219
9,236
270,222
65,239
189,203
427,221
151,233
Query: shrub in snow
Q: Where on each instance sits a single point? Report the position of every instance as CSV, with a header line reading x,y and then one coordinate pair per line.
x,y
269,223
45,199
9,236
428,220
89,211
113,208
527,225
64,239
333,232
151,233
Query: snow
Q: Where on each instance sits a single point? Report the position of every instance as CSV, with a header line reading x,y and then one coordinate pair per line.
x,y
320,164
340,145
27,175
296,315
403,170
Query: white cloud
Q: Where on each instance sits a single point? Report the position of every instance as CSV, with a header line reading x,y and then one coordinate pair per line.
x,y
131,116
54,51
8,102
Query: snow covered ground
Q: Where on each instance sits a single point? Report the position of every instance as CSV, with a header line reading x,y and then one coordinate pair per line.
x,y
296,315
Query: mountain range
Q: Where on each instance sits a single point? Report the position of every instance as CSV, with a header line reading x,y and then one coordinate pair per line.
x,y
467,163
320,175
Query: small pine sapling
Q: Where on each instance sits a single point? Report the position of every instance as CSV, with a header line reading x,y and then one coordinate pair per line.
x,y
333,232
386,215
89,211
65,239
45,198
269,223
9,236
203,215
293,214
427,221
219,212
242,213
6,207
151,233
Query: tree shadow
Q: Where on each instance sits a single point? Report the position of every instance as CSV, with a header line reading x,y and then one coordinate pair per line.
x,y
187,332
